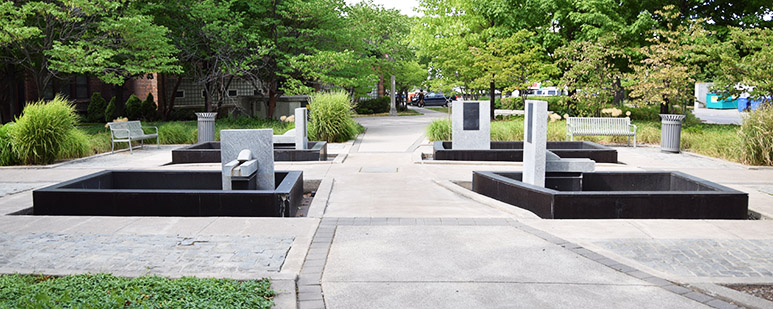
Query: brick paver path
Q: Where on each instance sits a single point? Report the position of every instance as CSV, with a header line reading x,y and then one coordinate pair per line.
x,y
700,257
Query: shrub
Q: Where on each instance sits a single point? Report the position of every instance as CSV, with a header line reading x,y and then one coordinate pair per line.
x,y
75,144
373,106
757,137
41,129
179,114
96,110
331,118
133,108
110,111
512,103
7,155
148,108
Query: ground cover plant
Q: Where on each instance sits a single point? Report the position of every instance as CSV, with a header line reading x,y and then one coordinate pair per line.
x,y
719,141
108,291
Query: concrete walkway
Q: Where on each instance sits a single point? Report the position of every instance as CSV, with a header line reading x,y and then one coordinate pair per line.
x,y
387,230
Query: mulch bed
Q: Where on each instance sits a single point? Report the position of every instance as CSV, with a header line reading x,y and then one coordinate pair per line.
x,y
759,290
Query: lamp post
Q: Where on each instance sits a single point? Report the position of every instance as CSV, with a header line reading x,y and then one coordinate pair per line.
x,y
392,101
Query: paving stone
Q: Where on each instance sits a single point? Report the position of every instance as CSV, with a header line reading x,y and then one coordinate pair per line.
x,y
721,304
311,304
699,297
164,254
700,257
677,289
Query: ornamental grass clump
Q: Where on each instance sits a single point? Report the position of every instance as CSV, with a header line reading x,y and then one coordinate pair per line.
x,y
42,128
7,155
331,117
757,137
76,144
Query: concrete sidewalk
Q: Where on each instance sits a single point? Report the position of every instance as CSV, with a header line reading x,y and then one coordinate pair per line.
x,y
390,232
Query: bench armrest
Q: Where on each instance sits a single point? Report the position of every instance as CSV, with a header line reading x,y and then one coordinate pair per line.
x,y
154,127
634,128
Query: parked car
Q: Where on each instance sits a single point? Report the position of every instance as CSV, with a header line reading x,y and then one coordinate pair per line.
x,y
434,99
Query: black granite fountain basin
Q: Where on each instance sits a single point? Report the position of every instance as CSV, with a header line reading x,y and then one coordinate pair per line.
x,y
616,195
513,151
209,152
167,193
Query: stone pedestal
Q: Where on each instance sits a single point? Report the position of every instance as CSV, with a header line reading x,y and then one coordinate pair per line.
x,y
301,131
260,143
471,125
535,142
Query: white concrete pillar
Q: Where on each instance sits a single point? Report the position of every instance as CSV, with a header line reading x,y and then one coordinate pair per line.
x,y
301,131
535,142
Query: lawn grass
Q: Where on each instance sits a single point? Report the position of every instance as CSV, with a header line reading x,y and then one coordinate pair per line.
x,y
719,141
108,291
180,132
440,109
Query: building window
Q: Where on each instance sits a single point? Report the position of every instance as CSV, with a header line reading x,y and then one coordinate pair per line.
x,y
63,88
81,87
180,94
203,93
48,92
232,93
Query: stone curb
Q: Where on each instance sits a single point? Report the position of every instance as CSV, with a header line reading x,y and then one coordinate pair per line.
x,y
741,298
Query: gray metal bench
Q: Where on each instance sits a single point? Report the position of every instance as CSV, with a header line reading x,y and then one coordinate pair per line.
x,y
605,126
129,131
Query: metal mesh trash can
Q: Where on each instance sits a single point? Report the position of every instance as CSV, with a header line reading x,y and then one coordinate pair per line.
x,y
206,127
670,132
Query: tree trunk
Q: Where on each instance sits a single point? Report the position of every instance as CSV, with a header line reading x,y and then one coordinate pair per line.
x,y
172,97
492,101
272,94
619,92
208,97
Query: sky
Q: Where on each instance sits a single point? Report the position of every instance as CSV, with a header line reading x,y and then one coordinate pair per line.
x,y
405,6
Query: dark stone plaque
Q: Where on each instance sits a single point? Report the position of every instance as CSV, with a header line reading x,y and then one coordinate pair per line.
x,y
471,116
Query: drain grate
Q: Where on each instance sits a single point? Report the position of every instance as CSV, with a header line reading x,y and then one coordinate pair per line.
x,y
378,170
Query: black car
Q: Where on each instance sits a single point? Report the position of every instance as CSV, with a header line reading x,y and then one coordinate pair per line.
x,y
434,99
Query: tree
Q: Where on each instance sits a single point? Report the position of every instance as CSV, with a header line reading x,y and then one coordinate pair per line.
x,y
746,64
666,75
105,38
516,62
589,70
214,41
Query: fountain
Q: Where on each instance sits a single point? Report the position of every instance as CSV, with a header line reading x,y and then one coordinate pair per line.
x,y
292,146
567,189
246,186
471,128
